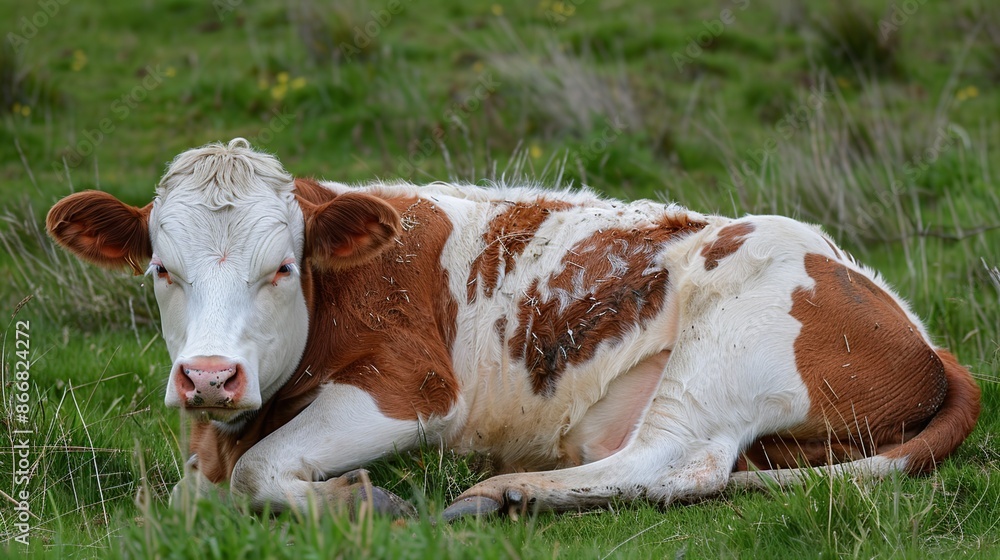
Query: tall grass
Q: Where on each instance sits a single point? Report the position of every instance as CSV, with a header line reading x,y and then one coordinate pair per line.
x,y
563,92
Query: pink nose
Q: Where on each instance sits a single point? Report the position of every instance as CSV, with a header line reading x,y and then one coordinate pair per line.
x,y
210,382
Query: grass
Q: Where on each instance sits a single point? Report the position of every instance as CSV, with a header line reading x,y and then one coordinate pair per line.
x,y
803,109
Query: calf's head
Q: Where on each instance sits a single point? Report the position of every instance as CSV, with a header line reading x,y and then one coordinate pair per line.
x,y
231,242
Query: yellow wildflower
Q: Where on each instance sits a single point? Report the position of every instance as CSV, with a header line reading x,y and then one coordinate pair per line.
x,y
563,9
79,60
170,72
497,9
535,151
282,77
298,83
968,92
278,92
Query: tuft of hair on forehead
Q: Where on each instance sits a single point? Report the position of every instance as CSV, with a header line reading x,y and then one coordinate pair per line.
x,y
224,174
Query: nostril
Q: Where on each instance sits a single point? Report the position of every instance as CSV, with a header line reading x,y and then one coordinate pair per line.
x,y
184,381
234,382
210,382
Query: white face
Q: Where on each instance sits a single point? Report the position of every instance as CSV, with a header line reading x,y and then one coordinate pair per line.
x,y
225,239
227,282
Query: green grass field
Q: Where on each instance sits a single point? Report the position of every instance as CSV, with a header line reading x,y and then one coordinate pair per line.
x,y
878,120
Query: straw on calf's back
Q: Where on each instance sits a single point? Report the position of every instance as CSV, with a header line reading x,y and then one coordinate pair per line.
x,y
641,349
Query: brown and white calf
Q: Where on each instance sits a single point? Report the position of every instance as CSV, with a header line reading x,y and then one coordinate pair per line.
x,y
597,349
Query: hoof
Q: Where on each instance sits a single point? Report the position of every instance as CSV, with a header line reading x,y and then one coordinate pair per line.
x,y
381,501
474,505
357,476
386,503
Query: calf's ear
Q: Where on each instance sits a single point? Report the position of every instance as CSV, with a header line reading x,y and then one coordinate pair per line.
x,y
98,228
348,230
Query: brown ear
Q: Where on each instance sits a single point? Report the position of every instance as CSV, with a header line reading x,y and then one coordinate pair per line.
x,y
99,228
348,230
312,191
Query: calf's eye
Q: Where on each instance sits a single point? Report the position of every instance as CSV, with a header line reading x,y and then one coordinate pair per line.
x,y
284,270
161,272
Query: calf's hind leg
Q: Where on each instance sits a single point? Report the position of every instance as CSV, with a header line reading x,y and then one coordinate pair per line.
x,y
658,475
684,448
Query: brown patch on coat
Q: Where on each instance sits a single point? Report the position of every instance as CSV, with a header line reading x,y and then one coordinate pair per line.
x,y
360,318
874,383
729,240
590,301
506,237
500,327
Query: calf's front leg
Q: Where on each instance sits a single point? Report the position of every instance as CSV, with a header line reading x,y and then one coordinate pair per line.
x,y
342,430
193,487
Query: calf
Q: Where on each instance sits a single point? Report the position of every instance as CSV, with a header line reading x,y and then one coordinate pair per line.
x,y
596,349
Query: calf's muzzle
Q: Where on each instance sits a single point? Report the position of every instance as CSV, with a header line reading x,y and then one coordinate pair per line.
x,y
210,382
